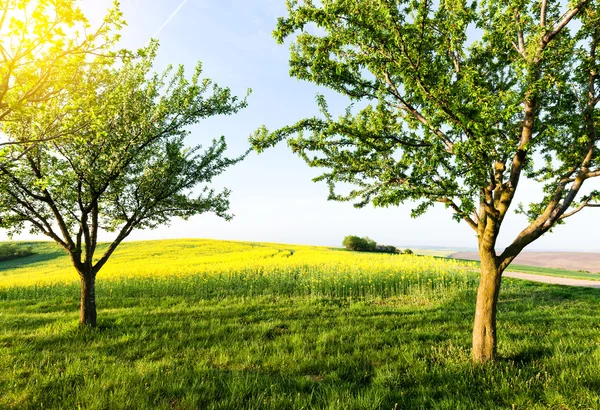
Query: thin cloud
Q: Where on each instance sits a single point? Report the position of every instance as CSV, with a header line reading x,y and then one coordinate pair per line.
x,y
171,17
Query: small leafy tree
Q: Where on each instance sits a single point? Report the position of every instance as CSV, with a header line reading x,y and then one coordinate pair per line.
x,y
352,243
460,101
126,167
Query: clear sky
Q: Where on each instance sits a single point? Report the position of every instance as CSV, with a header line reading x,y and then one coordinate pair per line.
x,y
273,196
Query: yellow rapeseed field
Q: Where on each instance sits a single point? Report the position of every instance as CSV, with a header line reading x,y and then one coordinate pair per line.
x,y
316,269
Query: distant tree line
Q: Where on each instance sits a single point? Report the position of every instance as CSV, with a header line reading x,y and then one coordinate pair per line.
x,y
366,244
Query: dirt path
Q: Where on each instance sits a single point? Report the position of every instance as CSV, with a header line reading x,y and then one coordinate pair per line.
x,y
553,280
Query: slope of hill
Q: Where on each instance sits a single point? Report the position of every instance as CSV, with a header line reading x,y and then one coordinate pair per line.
x,y
192,257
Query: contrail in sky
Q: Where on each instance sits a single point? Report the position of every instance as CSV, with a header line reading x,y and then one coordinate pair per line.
x,y
169,19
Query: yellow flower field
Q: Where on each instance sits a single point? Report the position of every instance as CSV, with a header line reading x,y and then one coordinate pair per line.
x,y
210,262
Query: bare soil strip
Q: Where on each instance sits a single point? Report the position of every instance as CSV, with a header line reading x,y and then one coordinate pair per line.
x,y
554,280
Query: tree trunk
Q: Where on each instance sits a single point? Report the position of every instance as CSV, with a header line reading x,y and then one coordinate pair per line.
x,y
87,312
484,329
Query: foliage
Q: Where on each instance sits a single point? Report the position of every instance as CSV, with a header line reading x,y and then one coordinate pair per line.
x,y
127,167
45,46
10,251
449,114
386,248
407,251
355,243
455,103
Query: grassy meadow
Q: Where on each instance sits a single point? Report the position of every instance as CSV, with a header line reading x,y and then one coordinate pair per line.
x,y
188,324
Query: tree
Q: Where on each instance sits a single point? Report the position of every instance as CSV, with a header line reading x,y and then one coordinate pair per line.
x,y
356,243
127,168
458,102
45,45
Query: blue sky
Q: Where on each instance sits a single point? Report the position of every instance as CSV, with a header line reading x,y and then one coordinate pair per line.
x,y
273,196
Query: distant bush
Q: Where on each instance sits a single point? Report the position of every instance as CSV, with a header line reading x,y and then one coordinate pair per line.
x,y
10,251
386,249
356,243
408,252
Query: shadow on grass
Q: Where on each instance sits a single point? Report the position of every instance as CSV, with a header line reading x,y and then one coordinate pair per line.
x,y
30,259
306,353
530,355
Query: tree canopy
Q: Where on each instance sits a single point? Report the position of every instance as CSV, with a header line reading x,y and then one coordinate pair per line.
x,y
44,46
124,165
454,103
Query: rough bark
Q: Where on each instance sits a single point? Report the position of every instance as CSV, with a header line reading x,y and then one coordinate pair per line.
x,y
484,329
87,313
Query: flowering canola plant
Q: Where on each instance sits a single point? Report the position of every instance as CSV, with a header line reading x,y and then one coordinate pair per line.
x,y
253,268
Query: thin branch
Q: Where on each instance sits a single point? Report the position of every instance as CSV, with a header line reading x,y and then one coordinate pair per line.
x,y
567,17
415,113
40,223
586,204
459,212
520,37
543,13
553,212
125,231
518,50
51,203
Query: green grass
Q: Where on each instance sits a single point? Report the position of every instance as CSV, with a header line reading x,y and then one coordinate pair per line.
x,y
215,342
40,253
534,270
160,350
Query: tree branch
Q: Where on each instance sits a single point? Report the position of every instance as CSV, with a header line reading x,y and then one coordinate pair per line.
x,y
585,204
459,212
567,17
543,12
416,114
520,47
125,231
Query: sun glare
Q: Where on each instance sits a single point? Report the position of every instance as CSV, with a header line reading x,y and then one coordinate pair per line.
x,y
29,28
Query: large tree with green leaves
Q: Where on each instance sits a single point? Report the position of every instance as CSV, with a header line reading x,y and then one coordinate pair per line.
x,y
124,165
458,102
